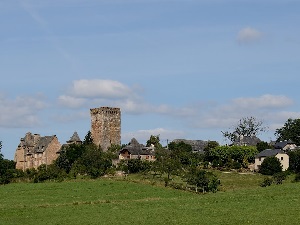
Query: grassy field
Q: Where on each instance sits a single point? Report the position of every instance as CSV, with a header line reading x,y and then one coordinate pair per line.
x,y
106,201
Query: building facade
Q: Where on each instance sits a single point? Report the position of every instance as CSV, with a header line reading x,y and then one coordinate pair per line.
x,y
35,150
106,126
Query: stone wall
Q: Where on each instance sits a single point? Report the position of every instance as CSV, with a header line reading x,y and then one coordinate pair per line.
x,y
35,150
106,126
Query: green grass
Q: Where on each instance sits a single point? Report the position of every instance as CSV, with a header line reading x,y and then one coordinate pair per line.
x,y
106,201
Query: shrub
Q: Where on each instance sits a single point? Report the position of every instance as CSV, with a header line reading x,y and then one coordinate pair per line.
x,y
279,177
270,166
297,177
266,182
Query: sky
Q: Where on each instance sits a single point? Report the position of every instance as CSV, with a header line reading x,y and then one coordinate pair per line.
x,y
176,68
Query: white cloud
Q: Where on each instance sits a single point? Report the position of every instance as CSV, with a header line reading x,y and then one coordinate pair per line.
x,y
249,35
21,111
97,88
70,101
268,108
264,101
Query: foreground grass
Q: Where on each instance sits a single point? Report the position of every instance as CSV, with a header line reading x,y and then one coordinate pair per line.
x,y
107,201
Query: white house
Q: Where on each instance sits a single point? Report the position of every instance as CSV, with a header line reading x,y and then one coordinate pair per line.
x,y
278,153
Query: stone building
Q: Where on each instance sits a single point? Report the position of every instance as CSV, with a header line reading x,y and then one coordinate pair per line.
x,y
135,150
35,150
106,126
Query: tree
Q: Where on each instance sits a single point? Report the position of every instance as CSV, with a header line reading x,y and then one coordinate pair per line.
x,y
182,152
7,168
263,146
166,163
88,139
247,126
207,149
202,179
270,166
93,162
294,161
227,155
289,131
154,140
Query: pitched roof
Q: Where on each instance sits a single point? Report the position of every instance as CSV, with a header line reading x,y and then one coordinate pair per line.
x,y
75,138
35,143
246,140
269,152
135,148
282,144
43,143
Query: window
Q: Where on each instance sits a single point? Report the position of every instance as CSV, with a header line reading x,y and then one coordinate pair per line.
x,y
281,158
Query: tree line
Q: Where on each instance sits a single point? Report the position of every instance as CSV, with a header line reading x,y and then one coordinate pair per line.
x,y
177,160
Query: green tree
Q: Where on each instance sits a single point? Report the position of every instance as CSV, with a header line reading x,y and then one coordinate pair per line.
x,y
7,168
227,155
262,146
206,181
247,126
93,162
154,140
88,139
289,131
294,161
207,149
183,153
270,166
167,164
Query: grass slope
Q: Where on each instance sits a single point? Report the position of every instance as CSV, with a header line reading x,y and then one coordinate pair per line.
x,y
107,201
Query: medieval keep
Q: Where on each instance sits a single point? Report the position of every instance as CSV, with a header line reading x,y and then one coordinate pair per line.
x,y
106,126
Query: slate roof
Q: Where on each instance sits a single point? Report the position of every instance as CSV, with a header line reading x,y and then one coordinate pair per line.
x,y
135,148
43,143
246,140
75,138
269,152
34,143
282,144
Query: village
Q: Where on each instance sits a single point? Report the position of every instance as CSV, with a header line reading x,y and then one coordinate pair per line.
x,y
35,150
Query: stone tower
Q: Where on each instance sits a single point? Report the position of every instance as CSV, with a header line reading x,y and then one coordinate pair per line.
x,y
106,126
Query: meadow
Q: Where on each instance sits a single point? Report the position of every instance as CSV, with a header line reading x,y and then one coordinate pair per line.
x,y
125,201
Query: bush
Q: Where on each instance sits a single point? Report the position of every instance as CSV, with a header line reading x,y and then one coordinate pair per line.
x,y
297,177
278,178
266,182
270,166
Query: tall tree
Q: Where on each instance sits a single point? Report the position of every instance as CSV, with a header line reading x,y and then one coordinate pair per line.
x,y
247,126
6,168
88,139
154,140
289,131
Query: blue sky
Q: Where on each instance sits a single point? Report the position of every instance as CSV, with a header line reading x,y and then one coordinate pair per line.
x,y
178,68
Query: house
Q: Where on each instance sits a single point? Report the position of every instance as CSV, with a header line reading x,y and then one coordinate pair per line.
x,y
246,141
278,153
135,150
35,150
285,145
